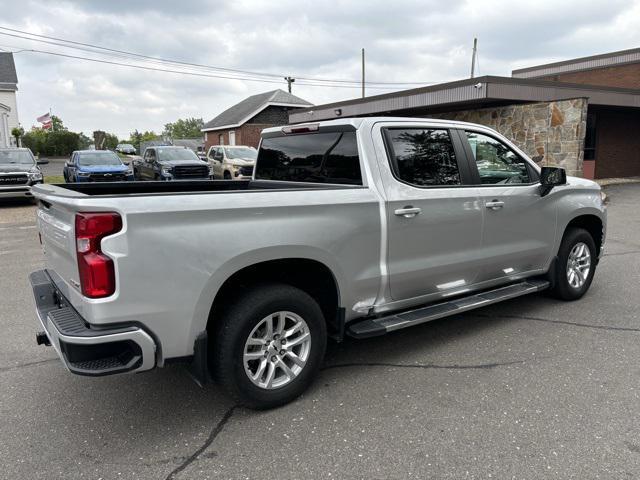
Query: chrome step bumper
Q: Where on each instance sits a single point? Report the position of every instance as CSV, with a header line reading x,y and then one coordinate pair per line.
x,y
379,326
83,348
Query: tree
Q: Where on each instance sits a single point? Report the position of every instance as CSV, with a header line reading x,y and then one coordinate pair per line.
x,y
184,128
84,141
17,132
57,125
110,141
136,138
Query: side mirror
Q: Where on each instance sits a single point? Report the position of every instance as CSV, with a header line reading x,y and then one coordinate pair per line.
x,y
551,177
44,161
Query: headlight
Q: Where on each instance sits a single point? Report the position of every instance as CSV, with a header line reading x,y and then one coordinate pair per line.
x,y
603,196
35,175
83,174
166,170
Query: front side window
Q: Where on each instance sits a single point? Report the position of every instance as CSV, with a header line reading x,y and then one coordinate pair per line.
x,y
325,157
423,157
496,162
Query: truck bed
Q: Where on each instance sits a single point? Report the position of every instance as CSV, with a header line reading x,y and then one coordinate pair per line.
x,y
190,186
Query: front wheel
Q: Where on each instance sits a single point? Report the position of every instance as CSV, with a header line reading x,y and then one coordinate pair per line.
x,y
269,345
575,266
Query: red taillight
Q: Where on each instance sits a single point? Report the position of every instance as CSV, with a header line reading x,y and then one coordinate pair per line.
x,y
97,275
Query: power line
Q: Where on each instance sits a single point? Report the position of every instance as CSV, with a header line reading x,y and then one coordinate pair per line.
x,y
120,53
164,70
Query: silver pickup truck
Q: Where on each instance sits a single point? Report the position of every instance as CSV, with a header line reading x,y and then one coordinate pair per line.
x,y
351,227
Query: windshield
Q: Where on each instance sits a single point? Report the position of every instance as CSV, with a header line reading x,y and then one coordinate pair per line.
x,y
244,153
99,158
21,157
177,155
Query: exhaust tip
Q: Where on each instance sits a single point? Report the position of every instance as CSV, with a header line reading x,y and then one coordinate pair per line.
x,y
42,339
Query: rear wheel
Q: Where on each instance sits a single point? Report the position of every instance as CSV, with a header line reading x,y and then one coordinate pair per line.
x,y
269,345
575,266
227,175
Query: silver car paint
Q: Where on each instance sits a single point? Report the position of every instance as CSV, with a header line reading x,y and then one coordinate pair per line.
x,y
176,250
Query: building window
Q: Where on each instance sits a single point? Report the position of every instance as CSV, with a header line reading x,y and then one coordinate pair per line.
x,y
206,136
232,137
221,139
590,138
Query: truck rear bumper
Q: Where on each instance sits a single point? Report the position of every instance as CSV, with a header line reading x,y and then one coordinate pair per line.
x,y
87,349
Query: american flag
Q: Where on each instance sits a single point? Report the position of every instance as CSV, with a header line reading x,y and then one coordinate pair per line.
x,y
45,120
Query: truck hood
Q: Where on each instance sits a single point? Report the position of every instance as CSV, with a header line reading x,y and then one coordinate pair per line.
x,y
103,168
242,162
582,182
14,167
181,163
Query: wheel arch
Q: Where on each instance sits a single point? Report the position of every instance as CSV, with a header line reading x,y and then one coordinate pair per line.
x,y
310,270
592,223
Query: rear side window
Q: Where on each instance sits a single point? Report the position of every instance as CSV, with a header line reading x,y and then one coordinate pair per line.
x,y
423,157
326,157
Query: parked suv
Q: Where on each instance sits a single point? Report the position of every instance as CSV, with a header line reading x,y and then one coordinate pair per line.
x,y
170,163
352,227
18,172
232,162
96,166
126,148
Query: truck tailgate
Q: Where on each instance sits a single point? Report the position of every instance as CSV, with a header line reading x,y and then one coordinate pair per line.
x,y
57,231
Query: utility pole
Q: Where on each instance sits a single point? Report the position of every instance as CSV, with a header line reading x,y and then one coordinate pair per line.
x,y
473,57
363,73
289,80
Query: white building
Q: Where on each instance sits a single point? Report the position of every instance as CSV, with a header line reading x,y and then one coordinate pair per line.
x,y
8,105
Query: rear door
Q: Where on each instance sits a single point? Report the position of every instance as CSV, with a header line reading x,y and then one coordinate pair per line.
x,y
147,167
433,215
519,225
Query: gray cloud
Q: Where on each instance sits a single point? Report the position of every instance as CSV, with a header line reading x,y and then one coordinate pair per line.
x,y
408,40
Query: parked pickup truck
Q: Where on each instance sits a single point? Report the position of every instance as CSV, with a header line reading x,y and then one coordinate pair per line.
x,y
353,227
19,171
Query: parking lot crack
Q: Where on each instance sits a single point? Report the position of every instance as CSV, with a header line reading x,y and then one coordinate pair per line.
x,y
217,429
481,366
565,322
28,364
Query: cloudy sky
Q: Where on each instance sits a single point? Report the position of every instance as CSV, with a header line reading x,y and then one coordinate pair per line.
x,y
406,41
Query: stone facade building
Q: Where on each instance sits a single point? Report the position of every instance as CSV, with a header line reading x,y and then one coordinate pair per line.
x,y
581,114
8,104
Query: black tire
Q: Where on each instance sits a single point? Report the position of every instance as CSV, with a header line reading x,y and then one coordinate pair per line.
x,y
227,175
561,287
234,328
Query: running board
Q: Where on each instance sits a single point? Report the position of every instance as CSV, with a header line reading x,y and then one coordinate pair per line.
x,y
379,326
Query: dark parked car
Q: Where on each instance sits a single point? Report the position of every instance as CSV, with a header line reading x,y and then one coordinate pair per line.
x,y
126,148
96,166
170,163
18,172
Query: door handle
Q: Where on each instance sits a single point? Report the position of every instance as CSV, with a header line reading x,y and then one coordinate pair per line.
x,y
408,211
494,204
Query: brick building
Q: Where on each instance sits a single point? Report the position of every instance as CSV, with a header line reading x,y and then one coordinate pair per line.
x,y
242,123
581,114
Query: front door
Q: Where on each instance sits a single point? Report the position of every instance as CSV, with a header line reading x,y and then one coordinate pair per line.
x,y
519,225
433,214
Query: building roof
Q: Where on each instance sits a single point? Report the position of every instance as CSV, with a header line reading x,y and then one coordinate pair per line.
x,y
191,143
251,106
8,75
468,93
611,59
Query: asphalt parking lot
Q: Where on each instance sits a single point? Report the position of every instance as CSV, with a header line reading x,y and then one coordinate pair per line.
x,y
531,388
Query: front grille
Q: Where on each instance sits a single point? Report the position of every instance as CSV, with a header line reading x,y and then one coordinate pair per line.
x,y
246,171
189,171
107,177
19,179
